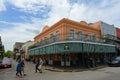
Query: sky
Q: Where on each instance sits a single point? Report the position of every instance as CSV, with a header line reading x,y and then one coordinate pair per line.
x,y
22,20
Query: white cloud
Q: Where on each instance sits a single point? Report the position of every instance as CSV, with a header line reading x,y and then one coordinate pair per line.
x,y
2,6
30,6
81,11
20,32
77,11
107,11
59,9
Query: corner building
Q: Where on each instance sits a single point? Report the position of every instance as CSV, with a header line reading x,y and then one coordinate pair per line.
x,y
71,43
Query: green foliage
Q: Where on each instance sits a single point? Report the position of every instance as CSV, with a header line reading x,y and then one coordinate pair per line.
x,y
8,53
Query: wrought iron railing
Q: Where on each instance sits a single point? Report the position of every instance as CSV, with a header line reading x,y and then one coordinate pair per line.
x,y
67,37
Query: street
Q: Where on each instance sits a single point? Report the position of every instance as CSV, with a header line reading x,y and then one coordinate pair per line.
x,y
107,73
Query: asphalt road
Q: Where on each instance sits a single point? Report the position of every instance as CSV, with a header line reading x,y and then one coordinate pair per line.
x,y
108,73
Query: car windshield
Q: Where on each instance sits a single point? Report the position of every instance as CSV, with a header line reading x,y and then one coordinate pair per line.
x,y
117,58
5,59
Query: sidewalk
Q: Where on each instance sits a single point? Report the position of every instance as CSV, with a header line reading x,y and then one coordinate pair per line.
x,y
71,69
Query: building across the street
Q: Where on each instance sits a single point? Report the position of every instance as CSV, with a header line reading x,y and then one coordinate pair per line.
x,y
25,48
17,50
72,43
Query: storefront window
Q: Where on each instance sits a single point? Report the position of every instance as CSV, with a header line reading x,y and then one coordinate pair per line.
x,y
62,57
67,58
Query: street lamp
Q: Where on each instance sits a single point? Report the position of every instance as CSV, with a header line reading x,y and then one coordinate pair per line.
x,y
66,48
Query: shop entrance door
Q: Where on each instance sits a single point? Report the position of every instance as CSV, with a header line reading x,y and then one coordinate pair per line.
x,y
65,60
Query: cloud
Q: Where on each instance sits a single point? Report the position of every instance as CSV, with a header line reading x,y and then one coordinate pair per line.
x,y
20,32
29,6
33,31
2,6
78,10
105,10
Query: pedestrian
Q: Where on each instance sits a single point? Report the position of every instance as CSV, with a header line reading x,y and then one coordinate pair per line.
x,y
23,67
18,69
37,65
44,63
41,65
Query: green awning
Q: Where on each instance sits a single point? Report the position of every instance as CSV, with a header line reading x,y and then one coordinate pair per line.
x,y
31,52
88,47
36,51
73,48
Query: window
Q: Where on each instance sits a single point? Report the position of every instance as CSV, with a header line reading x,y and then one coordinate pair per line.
x,y
67,58
95,37
57,36
51,38
40,41
62,57
72,33
45,40
89,36
81,35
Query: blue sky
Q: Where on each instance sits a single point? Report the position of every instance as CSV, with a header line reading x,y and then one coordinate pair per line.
x,y
21,20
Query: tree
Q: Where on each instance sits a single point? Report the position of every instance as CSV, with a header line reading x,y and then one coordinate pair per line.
x,y
8,53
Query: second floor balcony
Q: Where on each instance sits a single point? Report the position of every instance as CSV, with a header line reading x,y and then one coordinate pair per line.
x,y
68,37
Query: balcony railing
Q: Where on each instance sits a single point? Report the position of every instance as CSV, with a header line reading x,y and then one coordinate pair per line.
x,y
67,37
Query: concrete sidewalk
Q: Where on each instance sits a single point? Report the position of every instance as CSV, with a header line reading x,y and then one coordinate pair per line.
x,y
71,69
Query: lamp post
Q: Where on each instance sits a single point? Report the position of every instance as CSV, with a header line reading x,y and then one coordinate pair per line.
x,y
66,48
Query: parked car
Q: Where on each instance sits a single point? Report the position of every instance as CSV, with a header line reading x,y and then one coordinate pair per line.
x,y
115,62
6,63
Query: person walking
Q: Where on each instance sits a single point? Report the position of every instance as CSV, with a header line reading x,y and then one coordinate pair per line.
x,y
23,67
18,69
41,65
37,65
